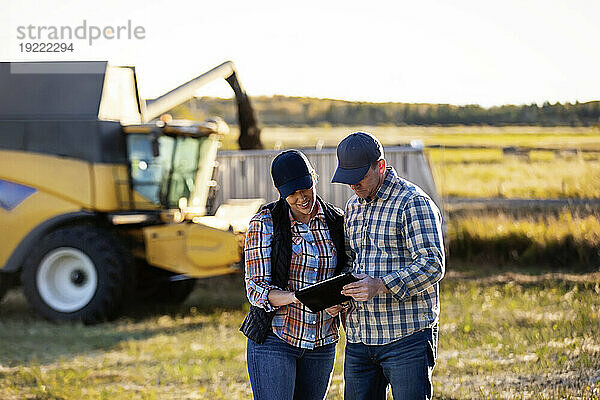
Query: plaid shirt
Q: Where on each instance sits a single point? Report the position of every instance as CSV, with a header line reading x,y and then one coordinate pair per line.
x,y
313,260
397,237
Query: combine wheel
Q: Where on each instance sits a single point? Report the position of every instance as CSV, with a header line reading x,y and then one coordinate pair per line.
x,y
76,273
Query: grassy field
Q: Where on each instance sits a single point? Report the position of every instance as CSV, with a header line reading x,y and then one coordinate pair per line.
x,y
560,238
514,178
480,172
531,136
501,337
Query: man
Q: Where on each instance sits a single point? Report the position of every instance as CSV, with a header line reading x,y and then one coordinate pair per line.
x,y
394,230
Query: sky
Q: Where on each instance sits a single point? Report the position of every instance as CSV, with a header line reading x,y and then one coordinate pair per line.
x,y
458,52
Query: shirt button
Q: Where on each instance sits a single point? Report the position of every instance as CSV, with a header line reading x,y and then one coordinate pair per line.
x,y
316,269
312,336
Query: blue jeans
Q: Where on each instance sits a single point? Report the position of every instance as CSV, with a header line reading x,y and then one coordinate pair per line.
x,y
406,364
280,371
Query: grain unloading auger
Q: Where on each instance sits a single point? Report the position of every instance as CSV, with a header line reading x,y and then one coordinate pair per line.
x,y
99,201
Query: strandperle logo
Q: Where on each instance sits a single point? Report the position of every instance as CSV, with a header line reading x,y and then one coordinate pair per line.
x,y
84,31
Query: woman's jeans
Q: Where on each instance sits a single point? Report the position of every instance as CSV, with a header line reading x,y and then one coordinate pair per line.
x,y
280,371
406,364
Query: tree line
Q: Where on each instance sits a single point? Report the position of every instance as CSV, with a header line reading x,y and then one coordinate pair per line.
x,y
284,110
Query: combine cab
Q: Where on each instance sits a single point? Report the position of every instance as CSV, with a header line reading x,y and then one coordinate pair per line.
x,y
99,201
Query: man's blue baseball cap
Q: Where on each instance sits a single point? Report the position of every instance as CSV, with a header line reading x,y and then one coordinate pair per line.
x,y
355,155
291,171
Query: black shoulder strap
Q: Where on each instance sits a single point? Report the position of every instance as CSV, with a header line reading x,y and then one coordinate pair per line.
x,y
335,224
281,245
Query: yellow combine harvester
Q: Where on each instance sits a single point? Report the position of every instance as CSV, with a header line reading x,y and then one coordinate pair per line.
x,y
99,201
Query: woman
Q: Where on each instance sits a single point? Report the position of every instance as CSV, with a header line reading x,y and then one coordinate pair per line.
x,y
292,243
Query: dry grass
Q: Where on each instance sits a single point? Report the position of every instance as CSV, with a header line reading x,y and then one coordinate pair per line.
x,y
514,178
517,336
502,336
554,238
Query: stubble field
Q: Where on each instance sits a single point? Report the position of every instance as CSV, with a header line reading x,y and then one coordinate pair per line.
x,y
503,335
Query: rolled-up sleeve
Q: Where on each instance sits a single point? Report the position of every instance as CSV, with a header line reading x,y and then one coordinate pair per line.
x,y
422,230
257,254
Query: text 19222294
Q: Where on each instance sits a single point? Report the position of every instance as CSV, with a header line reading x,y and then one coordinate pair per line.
x,y
57,47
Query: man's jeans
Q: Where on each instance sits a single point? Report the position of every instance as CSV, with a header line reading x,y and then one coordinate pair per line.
x,y
406,364
280,371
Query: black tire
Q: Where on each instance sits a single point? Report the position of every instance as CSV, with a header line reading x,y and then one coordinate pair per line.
x,y
3,286
108,259
155,287
7,282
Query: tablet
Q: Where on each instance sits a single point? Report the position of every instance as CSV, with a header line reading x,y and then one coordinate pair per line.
x,y
326,293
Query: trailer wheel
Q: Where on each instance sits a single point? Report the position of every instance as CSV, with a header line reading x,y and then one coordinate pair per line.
x,y
76,273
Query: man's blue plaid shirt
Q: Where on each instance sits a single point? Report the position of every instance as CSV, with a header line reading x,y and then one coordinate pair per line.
x,y
397,237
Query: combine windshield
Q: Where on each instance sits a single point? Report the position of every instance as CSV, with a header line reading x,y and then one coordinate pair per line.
x,y
164,169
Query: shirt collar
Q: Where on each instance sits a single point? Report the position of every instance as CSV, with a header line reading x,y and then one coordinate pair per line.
x,y
319,215
388,184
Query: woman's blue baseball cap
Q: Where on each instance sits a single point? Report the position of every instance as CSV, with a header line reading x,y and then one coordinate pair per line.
x,y
355,155
291,171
